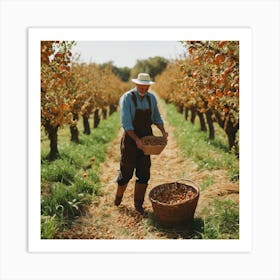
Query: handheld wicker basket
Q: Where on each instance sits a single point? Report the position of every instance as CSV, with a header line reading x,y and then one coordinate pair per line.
x,y
153,145
176,212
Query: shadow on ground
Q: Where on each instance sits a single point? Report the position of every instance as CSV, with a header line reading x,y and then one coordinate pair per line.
x,y
191,230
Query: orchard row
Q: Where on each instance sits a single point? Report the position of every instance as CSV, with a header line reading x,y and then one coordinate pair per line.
x,y
205,83
71,90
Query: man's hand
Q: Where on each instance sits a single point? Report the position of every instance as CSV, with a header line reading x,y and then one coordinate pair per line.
x,y
137,140
139,144
165,134
161,128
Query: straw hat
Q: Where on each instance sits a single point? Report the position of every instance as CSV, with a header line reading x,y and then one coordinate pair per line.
x,y
143,79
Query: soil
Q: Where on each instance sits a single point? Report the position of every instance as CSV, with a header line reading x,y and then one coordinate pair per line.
x,y
104,220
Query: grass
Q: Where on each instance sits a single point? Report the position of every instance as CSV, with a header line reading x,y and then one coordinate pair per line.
x,y
221,220
69,183
207,182
48,227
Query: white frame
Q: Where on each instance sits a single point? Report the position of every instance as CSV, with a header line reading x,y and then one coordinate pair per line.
x,y
243,35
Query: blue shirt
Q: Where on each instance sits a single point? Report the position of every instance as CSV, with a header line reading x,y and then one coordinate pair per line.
x,y
128,109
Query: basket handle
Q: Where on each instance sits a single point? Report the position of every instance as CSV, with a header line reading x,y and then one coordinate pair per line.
x,y
189,181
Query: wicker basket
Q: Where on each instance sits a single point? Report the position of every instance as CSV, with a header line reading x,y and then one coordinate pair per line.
x,y
177,213
153,145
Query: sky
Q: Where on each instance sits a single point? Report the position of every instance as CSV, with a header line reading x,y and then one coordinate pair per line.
x,y
126,53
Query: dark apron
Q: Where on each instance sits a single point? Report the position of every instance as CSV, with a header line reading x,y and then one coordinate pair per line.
x,y
132,157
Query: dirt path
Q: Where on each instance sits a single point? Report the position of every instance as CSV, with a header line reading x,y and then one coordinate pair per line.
x,y
104,220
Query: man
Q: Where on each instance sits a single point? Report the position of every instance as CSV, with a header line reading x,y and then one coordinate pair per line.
x,y
139,111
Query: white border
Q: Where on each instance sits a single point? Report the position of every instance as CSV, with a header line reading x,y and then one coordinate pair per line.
x,y
244,35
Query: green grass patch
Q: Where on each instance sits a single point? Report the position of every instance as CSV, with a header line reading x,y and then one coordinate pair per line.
x,y
70,182
48,227
207,182
66,202
58,171
221,220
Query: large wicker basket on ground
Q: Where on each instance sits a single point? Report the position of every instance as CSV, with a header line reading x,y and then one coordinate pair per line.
x,y
174,203
153,145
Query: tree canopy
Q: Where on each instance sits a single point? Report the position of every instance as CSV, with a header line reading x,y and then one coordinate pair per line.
x,y
153,65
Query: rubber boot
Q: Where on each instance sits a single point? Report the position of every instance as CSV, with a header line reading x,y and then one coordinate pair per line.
x,y
119,194
139,195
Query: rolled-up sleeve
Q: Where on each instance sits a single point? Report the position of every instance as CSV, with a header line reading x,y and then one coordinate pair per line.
x,y
156,118
126,114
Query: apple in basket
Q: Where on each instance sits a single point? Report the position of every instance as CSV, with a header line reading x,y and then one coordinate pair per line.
x,y
176,195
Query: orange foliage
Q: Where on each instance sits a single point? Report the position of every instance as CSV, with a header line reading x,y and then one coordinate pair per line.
x,y
208,79
55,71
69,88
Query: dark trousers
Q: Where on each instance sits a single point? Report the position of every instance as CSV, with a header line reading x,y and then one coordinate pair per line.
x,y
133,159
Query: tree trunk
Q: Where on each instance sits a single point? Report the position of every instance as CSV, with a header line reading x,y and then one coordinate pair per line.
x,y
186,114
74,129
231,140
74,134
86,125
231,134
52,135
104,113
210,124
231,131
112,109
202,121
180,108
193,114
96,118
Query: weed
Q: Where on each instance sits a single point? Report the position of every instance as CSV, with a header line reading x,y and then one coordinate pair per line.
x,y
58,171
48,227
207,182
221,220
